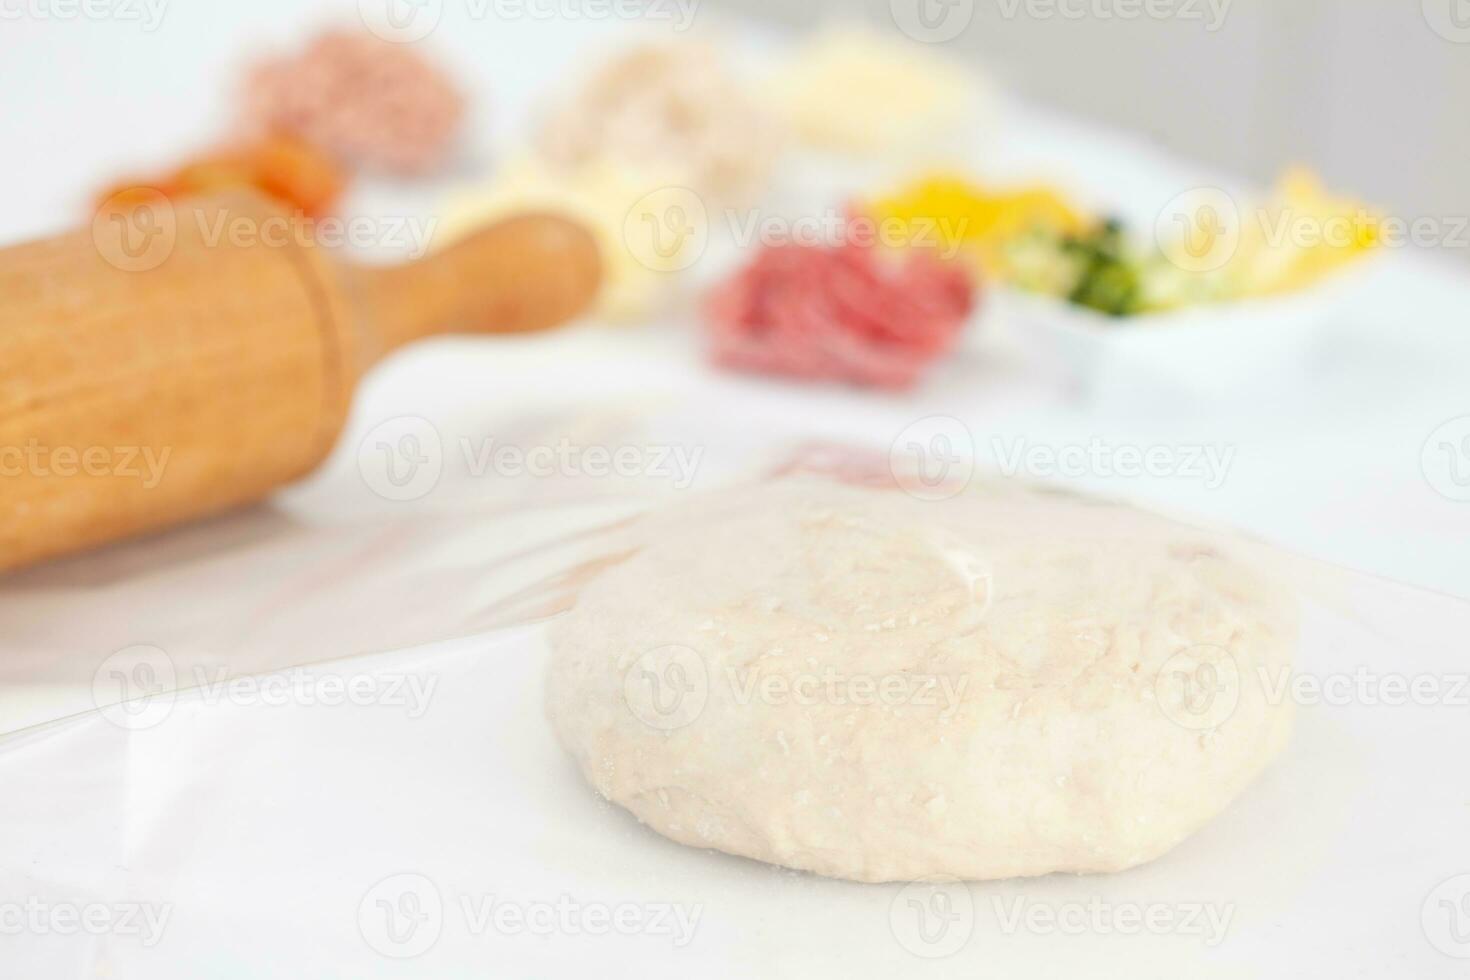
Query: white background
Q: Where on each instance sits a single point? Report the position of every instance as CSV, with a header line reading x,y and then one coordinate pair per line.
x,y
266,828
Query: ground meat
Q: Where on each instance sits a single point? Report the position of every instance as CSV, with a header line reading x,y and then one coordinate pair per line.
x,y
366,101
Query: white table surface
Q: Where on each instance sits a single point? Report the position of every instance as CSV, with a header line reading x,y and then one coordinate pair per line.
x,y
203,812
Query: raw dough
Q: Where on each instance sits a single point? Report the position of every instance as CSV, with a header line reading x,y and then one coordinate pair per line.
x,y
864,684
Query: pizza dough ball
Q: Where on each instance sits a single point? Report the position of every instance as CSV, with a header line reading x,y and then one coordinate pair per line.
x,y
863,684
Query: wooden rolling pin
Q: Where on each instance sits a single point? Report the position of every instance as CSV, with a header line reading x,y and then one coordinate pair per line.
x,y
178,360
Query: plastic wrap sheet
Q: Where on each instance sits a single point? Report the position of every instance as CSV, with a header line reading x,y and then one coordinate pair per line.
x,y
432,827
327,570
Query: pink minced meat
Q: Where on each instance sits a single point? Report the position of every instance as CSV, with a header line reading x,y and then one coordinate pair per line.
x,y
848,313
366,101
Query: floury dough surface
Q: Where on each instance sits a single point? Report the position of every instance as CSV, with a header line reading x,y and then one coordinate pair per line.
x,y
867,685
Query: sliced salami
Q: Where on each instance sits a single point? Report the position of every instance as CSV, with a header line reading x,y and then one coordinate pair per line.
x,y
846,313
